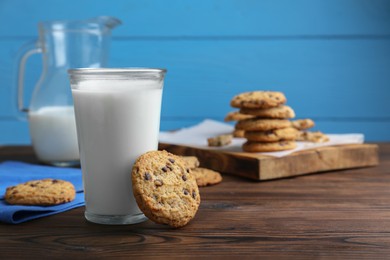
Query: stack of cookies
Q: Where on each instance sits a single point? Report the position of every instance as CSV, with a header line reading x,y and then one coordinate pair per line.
x,y
264,120
269,128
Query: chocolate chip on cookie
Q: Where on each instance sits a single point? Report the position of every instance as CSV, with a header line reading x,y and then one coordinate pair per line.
x,y
164,188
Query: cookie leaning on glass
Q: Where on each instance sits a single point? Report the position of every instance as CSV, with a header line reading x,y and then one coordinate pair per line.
x,y
164,188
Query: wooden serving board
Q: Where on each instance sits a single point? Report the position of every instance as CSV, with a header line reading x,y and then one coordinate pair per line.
x,y
262,167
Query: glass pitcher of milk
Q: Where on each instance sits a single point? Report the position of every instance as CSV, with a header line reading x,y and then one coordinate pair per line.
x,y
63,45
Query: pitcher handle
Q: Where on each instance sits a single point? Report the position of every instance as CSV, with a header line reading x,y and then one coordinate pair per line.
x,y
25,52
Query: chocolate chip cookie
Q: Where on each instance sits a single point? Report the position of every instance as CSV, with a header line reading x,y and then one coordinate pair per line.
x,y
191,161
281,112
274,135
43,192
238,133
220,140
258,99
164,188
315,137
253,147
302,124
259,124
205,177
235,116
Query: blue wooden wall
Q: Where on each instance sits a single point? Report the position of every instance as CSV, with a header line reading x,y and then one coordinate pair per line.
x,y
330,57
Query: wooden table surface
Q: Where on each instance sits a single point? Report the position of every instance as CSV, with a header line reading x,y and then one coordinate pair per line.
x,y
340,214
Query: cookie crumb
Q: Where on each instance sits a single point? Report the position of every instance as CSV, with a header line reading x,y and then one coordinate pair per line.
x,y
315,137
220,140
303,124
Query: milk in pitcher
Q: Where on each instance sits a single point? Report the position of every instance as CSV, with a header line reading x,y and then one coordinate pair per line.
x,y
53,134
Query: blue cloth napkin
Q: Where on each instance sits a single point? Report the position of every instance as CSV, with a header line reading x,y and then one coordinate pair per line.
x,y
13,173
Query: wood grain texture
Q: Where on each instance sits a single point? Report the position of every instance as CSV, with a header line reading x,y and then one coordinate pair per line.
x,y
260,167
335,215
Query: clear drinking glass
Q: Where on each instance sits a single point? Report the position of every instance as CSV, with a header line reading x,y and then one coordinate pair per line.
x,y
117,120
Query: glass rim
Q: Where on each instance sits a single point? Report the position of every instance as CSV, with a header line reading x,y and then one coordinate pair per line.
x,y
115,71
77,25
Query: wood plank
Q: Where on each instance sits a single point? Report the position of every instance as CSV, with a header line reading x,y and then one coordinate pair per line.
x,y
14,132
346,73
208,17
260,167
209,73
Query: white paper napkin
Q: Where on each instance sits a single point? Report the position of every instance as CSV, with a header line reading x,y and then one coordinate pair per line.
x,y
196,136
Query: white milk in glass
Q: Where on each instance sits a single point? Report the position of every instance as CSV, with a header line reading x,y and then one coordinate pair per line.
x,y
117,121
53,133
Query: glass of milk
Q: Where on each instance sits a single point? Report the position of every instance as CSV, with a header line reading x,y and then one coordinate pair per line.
x,y
117,120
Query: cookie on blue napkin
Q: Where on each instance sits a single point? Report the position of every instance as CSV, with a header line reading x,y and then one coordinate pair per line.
x,y
14,173
43,192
